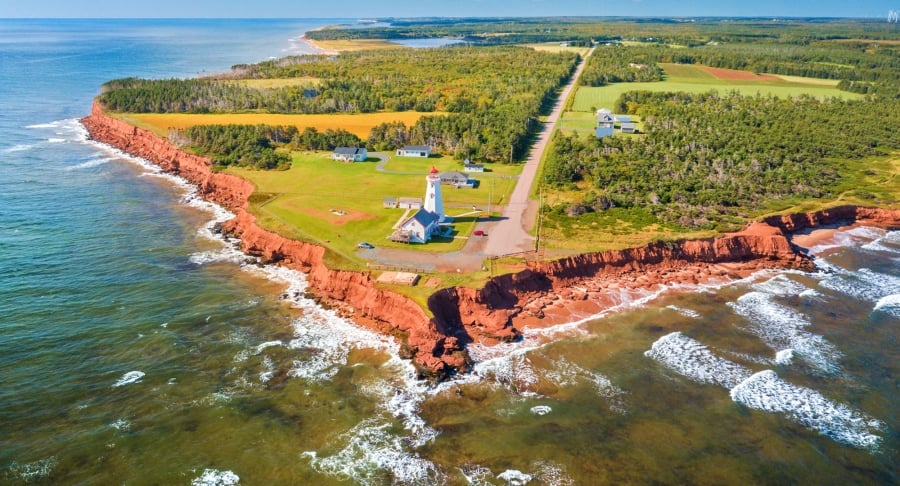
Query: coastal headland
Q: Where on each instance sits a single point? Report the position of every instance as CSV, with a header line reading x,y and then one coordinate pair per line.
x,y
544,294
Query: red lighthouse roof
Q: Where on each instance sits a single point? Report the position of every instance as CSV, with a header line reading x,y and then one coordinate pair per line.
x,y
433,170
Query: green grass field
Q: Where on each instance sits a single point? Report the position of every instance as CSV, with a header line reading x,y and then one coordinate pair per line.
x,y
690,78
304,202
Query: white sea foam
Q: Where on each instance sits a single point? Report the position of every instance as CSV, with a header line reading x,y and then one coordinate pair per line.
x,y
53,124
889,304
565,373
693,360
129,378
18,148
33,471
370,451
515,478
541,410
767,392
812,294
542,471
268,344
121,424
852,238
864,284
265,376
685,312
784,357
477,475
514,371
551,474
57,140
781,327
781,285
214,477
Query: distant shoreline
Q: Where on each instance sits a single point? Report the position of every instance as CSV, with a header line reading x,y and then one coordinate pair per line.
x,y
315,46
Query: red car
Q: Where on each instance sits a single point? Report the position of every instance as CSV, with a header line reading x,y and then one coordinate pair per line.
x,y
478,233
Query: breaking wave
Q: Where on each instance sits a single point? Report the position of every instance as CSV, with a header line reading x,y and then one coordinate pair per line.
x,y
782,327
694,360
767,392
214,477
129,378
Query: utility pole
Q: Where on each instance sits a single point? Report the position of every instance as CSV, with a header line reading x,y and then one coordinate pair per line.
x,y
537,239
491,198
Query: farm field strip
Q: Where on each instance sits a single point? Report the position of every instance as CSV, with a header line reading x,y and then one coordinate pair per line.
x,y
359,124
697,79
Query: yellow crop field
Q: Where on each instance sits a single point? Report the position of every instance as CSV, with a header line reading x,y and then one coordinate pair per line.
x,y
360,124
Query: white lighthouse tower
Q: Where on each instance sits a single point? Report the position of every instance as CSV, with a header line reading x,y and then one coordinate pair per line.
x,y
434,203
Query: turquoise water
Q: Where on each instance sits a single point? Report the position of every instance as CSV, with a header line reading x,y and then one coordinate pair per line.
x,y
136,348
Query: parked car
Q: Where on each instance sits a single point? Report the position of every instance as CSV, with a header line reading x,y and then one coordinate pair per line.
x,y
478,233
365,246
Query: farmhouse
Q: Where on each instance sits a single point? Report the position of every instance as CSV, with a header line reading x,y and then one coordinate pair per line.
x,y
605,118
468,166
417,229
349,154
457,179
414,151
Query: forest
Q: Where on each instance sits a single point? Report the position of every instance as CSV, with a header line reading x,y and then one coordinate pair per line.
x,y
688,32
708,158
489,98
846,50
257,145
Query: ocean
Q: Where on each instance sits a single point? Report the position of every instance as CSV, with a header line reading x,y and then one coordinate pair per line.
x,y
137,348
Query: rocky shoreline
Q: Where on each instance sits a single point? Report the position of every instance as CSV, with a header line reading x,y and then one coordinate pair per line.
x,y
544,294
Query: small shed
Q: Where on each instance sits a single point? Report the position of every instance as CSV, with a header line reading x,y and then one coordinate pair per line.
x,y
423,151
468,166
409,203
627,127
390,202
349,154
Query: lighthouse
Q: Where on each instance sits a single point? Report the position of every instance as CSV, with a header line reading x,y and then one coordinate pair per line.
x,y
434,203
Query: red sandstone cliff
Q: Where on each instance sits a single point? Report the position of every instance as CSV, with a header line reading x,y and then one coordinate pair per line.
x,y
352,293
464,315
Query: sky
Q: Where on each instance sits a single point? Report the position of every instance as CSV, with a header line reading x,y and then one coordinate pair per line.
x,y
442,8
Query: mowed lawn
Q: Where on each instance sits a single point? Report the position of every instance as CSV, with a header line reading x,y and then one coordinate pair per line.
x,y
359,124
338,204
694,79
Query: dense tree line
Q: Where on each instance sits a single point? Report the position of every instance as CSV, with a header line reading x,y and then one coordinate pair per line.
x,y
710,157
619,64
256,145
493,94
241,145
692,33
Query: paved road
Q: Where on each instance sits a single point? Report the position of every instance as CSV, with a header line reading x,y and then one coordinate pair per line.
x,y
508,235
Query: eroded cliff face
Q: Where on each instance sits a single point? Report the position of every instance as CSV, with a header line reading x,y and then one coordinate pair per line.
x,y
353,294
490,314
